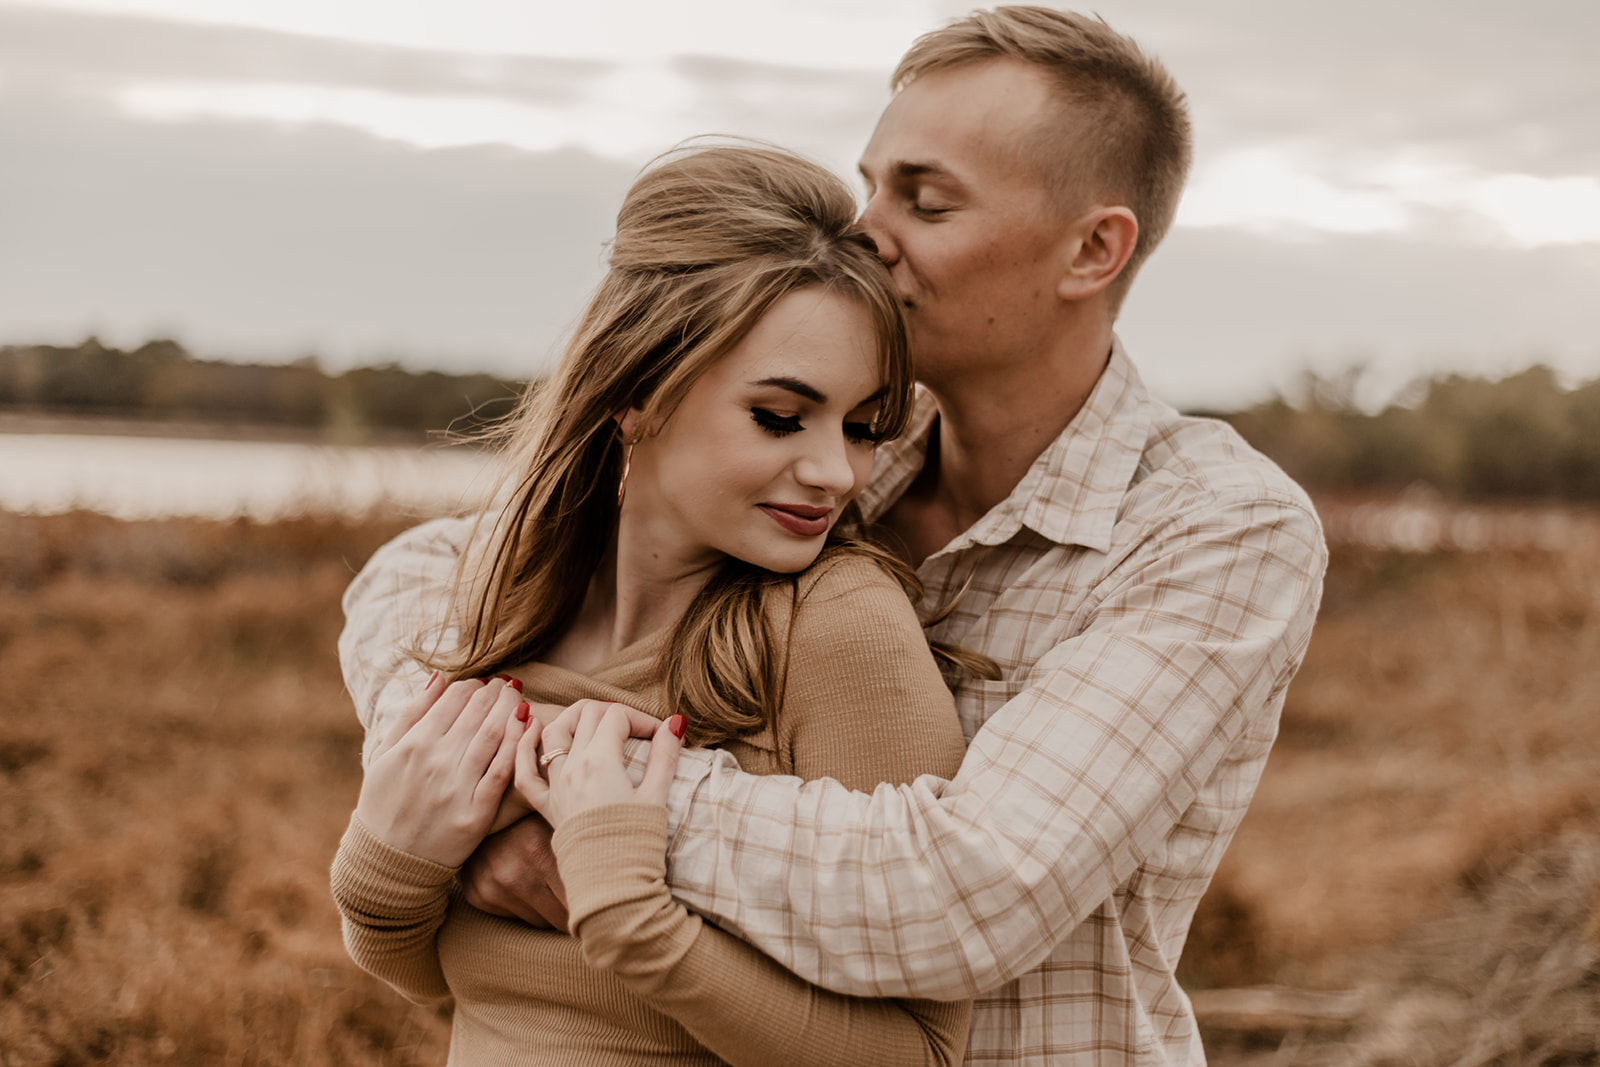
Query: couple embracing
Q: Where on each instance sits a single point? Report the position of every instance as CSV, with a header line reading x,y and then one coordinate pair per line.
x,y
955,694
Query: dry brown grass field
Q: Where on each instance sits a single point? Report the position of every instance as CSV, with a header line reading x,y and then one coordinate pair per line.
x,y
178,759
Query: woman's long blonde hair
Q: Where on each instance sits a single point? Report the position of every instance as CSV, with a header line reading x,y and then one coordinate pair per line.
x,y
708,239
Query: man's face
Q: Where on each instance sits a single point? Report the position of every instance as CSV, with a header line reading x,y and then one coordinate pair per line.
x,y
965,220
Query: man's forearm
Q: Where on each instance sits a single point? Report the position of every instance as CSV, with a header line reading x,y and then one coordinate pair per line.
x,y
1133,747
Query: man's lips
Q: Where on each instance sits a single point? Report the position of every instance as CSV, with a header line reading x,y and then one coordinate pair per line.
x,y
805,520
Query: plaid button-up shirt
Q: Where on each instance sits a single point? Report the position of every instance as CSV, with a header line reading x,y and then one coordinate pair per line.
x,y
1148,589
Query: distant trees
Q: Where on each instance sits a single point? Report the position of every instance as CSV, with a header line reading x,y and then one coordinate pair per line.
x,y
160,381
1523,436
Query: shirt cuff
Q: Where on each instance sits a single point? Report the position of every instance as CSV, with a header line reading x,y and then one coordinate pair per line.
x,y
611,855
382,880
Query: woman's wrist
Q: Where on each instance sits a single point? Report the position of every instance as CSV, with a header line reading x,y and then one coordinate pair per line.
x,y
611,854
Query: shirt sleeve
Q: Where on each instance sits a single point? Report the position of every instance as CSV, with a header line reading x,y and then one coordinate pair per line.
x,y
943,890
399,597
738,1003
391,905
855,634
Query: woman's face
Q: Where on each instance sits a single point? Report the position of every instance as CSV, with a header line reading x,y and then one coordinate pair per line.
x,y
768,444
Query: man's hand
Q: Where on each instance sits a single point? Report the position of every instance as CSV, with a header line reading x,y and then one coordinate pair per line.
x,y
513,875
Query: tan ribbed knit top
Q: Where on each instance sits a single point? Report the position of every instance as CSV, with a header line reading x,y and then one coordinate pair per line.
x,y
643,981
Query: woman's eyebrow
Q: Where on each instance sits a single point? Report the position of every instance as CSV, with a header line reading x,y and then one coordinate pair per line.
x,y
797,387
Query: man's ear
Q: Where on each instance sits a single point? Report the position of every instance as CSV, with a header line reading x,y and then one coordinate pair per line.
x,y
1103,240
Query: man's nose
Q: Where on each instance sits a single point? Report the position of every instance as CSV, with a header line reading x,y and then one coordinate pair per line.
x,y
871,222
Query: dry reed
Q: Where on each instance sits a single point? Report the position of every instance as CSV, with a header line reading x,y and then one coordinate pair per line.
x,y
178,759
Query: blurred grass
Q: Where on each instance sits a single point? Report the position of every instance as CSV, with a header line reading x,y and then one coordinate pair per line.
x,y
178,759
1428,828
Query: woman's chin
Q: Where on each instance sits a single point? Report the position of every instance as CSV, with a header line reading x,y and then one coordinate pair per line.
x,y
785,559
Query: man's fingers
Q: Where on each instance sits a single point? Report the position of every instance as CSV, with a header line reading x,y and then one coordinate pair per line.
x,y
663,761
513,875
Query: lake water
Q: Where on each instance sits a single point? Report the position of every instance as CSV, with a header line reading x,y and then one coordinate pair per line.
x,y
154,477
140,477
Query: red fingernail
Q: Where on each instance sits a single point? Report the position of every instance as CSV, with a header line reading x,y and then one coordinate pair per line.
x,y
522,711
434,677
515,683
677,724
504,677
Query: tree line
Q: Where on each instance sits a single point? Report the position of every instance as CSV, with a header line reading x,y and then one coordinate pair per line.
x,y
160,381
1520,437
1524,436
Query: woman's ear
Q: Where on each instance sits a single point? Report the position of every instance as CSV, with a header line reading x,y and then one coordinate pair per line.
x,y
628,423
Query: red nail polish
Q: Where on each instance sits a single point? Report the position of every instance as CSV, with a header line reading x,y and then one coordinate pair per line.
x,y
677,724
504,677
515,683
434,677
522,711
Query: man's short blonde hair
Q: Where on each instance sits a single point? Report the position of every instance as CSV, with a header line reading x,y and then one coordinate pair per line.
x,y
1122,132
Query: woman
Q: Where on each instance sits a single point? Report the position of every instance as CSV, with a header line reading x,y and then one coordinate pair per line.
x,y
677,542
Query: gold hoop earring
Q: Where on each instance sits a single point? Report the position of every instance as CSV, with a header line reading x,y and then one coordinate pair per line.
x,y
627,464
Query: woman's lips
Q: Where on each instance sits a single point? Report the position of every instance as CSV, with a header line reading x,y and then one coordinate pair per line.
x,y
803,520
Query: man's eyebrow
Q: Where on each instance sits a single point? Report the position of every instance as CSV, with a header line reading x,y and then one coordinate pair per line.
x,y
905,168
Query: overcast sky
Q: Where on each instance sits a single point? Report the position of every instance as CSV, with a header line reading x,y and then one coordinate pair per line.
x,y
1408,185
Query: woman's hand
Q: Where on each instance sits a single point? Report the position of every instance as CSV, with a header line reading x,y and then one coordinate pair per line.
x,y
583,767
437,781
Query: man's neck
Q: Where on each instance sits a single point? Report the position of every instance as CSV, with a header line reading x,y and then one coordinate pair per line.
x,y
990,431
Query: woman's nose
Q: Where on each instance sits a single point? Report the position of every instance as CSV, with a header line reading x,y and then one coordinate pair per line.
x,y
827,466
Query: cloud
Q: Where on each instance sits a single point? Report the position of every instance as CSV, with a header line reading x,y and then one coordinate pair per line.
x,y
1372,179
269,244
1292,188
1220,317
831,34
63,49
1501,88
175,71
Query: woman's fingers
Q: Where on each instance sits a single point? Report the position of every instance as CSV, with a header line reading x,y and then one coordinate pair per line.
x,y
589,719
529,782
663,761
497,704
497,775
471,718
556,738
413,712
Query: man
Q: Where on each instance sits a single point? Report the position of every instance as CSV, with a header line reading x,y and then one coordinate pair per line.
x,y
1146,582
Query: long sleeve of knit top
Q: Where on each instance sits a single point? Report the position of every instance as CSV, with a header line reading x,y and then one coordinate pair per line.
x,y
643,979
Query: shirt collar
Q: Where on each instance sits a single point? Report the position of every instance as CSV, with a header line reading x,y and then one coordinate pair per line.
x,y
1072,492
